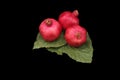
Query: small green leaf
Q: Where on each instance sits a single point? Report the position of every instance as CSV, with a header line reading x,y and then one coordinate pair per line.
x,y
41,43
82,54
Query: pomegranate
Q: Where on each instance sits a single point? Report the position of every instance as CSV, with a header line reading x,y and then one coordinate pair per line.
x,y
75,35
68,18
50,29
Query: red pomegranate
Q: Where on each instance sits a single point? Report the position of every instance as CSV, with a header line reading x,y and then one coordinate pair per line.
x,y
50,29
68,18
75,35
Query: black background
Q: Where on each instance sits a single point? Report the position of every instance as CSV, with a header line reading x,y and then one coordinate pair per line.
x,y
88,14
21,27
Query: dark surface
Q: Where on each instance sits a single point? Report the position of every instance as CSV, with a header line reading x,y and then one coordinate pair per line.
x,y
88,18
23,18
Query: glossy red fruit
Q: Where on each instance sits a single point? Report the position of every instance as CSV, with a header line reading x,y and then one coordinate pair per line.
x,y
76,35
50,29
68,18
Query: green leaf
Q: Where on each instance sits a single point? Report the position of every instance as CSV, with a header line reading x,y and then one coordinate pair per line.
x,y
56,50
41,43
82,54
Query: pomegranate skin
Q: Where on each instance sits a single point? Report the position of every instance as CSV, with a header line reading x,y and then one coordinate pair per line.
x,y
76,35
50,29
68,18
